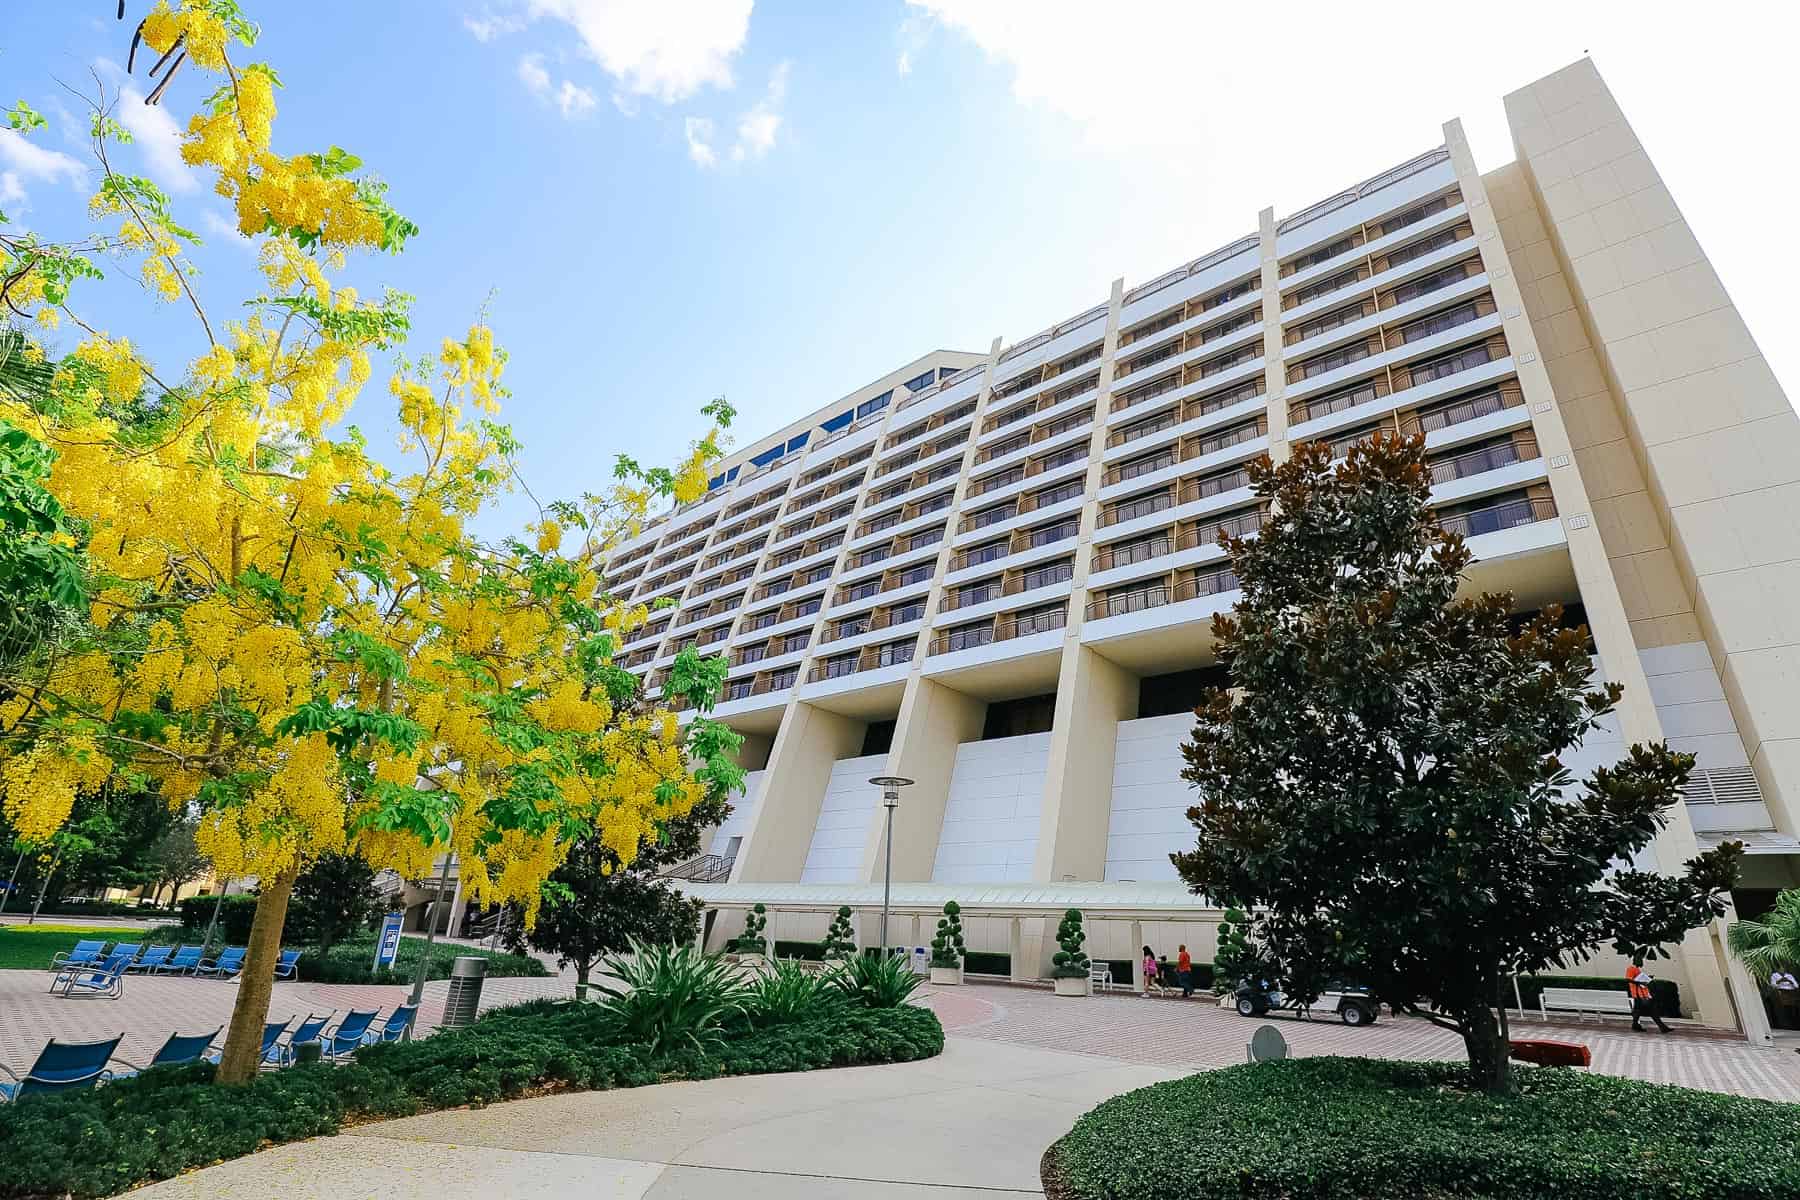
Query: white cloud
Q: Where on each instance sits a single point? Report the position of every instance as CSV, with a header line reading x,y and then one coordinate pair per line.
x,y
226,230
158,138
914,29
570,98
533,75
904,63
26,161
490,25
574,100
666,49
699,133
756,128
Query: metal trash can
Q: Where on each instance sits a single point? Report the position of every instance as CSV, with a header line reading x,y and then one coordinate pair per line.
x,y
464,998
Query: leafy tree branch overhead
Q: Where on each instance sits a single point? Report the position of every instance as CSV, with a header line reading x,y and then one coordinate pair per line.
x,y
304,642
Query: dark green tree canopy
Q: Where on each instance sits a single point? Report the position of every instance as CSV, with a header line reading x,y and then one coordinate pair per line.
x,y
1382,782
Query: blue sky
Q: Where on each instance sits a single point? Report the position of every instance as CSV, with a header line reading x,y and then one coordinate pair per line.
x,y
671,201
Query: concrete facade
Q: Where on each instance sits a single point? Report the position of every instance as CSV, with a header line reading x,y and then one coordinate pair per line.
x,y
994,573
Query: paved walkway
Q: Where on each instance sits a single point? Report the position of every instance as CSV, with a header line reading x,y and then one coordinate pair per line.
x,y
154,1007
968,1125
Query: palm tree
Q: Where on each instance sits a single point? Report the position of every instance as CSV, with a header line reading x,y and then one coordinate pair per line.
x,y
1773,943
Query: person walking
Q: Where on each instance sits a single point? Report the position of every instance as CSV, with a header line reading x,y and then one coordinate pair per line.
x,y
1152,980
1184,971
1637,986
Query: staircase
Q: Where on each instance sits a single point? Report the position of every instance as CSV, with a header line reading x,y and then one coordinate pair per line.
x,y
708,868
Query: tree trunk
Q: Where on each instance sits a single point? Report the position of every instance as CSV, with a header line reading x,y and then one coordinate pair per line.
x,y
1487,1049
243,1041
581,978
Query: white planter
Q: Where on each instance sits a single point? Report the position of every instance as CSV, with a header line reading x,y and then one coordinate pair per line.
x,y
947,976
1074,987
753,961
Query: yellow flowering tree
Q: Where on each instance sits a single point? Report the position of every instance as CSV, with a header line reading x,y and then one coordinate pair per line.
x,y
304,643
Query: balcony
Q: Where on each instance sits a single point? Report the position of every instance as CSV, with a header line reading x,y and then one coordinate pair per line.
x,y
973,593
1505,452
1189,448
868,659
1125,554
1462,408
1037,620
968,637
1492,518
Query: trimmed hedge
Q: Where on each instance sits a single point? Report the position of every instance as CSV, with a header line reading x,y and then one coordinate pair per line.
x,y
102,908
1362,1129
804,951
158,1124
1665,993
352,962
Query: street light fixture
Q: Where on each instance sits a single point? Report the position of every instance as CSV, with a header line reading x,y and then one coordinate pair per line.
x,y
890,786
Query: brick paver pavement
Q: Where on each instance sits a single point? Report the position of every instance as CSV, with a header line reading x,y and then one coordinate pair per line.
x,y
153,1008
1196,1034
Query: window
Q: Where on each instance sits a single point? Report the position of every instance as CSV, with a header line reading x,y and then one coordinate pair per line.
x,y
838,422
761,620
1167,350
1350,397
1225,362
894,653
1168,320
797,441
966,637
1442,368
920,382
1418,212
1241,288
1325,287
862,591
1048,534
783,679
1039,620
1125,554
1045,576
1059,493
1420,248
1331,320
912,575
911,611
768,456
1438,323
1063,458
874,404
1430,283
984,554
793,642
1313,258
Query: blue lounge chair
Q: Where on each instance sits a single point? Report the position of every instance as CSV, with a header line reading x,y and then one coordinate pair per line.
x,y
62,1066
305,1032
270,1054
340,1039
395,1027
88,951
107,979
151,959
130,950
289,964
184,960
180,1048
229,963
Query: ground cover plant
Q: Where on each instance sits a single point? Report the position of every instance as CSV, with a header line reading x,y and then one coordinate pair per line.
x,y
105,1141
1362,1129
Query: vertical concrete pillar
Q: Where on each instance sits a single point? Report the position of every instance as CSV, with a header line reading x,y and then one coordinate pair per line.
x,y
1606,614
809,743
934,720
1138,983
1274,372
1093,694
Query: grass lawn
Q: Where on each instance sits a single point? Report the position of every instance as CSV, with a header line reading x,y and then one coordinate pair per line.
x,y
30,947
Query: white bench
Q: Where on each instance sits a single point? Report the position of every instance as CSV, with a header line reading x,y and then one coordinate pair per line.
x,y
1583,1000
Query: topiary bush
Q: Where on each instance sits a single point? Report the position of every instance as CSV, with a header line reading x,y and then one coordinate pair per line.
x,y
171,1119
840,939
947,944
1362,1129
1070,962
751,940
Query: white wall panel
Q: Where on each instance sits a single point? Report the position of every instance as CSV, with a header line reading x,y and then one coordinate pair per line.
x,y
835,855
743,810
991,818
1150,799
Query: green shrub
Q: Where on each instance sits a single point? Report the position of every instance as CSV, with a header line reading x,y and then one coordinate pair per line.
x,y
790,992
751,940
804,951
878,981
840,939
669,996
163,1122
1070,962
353,962
1358,1129
947,947
1665,993
981,962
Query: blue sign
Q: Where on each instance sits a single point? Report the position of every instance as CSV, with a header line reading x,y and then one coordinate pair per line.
x,y
387,946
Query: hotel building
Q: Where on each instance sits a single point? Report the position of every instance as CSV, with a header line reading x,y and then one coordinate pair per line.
x,y
993,573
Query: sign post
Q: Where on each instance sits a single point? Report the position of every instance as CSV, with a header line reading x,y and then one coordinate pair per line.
x,y
387,946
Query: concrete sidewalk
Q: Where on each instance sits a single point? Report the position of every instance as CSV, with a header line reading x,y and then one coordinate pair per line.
x,y
970,1124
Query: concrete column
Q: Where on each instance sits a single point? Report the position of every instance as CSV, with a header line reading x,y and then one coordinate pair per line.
x,y
700,933
809,743
1606,614
915,934
1015,949
1137,956
934,720
1274,371
1093,694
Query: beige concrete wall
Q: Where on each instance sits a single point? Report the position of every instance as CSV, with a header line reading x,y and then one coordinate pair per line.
x,y
810,741
1093,694
934,721
1713,433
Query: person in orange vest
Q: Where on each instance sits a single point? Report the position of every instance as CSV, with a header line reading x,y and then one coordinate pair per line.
x,y
1637,986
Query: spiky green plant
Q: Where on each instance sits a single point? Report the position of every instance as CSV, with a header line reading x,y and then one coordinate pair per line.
x,y
878,981
670,996
1771,943
790,992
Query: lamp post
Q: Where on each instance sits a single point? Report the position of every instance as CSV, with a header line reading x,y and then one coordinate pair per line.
x,y
890,786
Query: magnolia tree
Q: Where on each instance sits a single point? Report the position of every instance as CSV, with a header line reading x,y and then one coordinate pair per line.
x,y
301,640
1381,783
